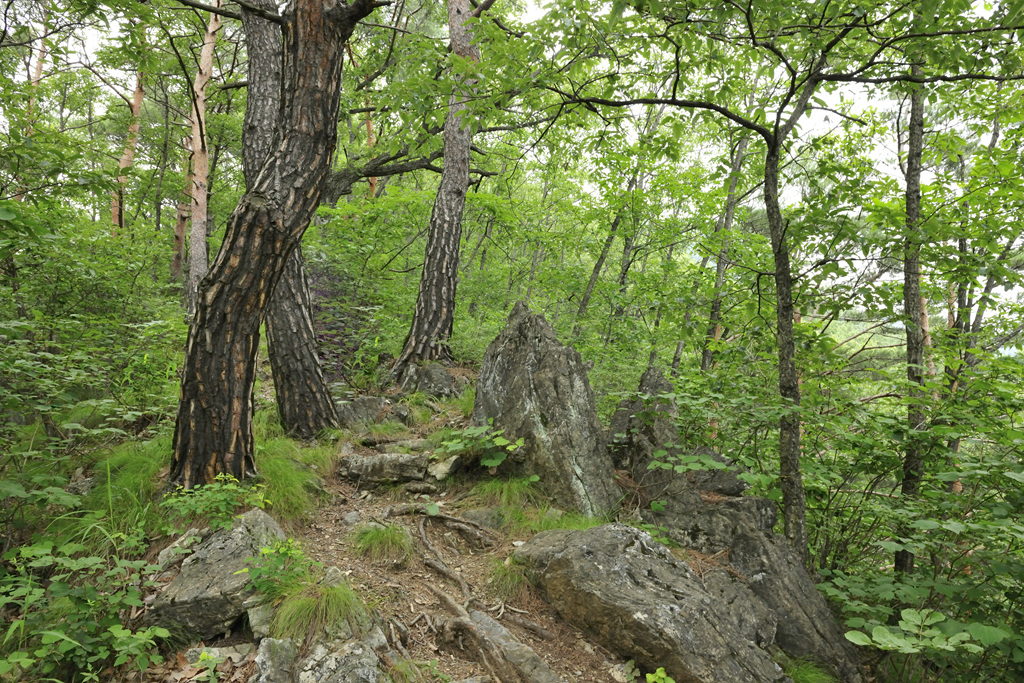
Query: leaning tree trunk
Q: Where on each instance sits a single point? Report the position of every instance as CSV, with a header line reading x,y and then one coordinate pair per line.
x,y
434,315
304,401
198,257
913,455
213,431
128,155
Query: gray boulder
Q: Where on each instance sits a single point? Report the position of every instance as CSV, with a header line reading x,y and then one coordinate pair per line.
x,y
209,593
385,468
360,411
642,603
530,667
535,388
275,662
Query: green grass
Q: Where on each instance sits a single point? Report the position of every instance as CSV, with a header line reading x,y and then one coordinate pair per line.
x,y
305,615
511,493
291,474
466,400
121,508
507,579
382,543
806,671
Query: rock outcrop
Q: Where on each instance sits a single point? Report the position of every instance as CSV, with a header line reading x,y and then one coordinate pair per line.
x,y
643,603
702,510
209,594
535,388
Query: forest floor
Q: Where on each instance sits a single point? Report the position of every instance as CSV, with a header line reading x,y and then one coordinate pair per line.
x,y
406,594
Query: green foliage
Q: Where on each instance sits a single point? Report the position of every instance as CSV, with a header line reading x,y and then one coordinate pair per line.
x,y
483,442
281,570
660,676
70,625
389,543
215,504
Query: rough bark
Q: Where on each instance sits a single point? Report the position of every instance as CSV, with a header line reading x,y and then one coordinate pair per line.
x,y
791,479
434,315
213,432
913,455
197,248
304,402
128,155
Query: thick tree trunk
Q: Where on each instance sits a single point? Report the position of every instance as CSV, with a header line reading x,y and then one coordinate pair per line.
x,y
198,259
128,155
304,401
434,316
213,432
791,480
913,455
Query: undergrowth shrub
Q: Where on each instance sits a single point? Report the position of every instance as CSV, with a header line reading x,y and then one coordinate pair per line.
x,y
382,543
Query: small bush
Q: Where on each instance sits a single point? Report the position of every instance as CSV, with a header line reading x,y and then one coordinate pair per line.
x,y
806,671
317,608
509,493
215,504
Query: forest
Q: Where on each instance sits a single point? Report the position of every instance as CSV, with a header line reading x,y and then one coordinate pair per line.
x,y
221,218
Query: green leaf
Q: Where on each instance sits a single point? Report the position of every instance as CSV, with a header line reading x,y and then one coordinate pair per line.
x,y
858,638
987,635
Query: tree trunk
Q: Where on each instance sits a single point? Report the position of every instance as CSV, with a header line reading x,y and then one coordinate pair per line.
x,y
304,401
213,431
434,316
913,455
128,155
724,225
791,479
197,249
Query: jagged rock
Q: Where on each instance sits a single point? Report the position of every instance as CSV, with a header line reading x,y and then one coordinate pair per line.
x,y
432,379
275,661
236,653
641,602
260,615
360,411
531,668
492,518
643,424
743,527
535,388
342,661
180,547
442,469
386,467
208,594
410,445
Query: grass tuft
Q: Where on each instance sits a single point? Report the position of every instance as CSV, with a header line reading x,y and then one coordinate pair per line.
x,y
806,671
383,543
305,615
507,493
507,578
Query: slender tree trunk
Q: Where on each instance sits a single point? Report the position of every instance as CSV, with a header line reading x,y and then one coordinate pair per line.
x,y
304,402
434,315
181,215
724,225
791,479
913,455
128,155
599,265
164,156
198,258
213,431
